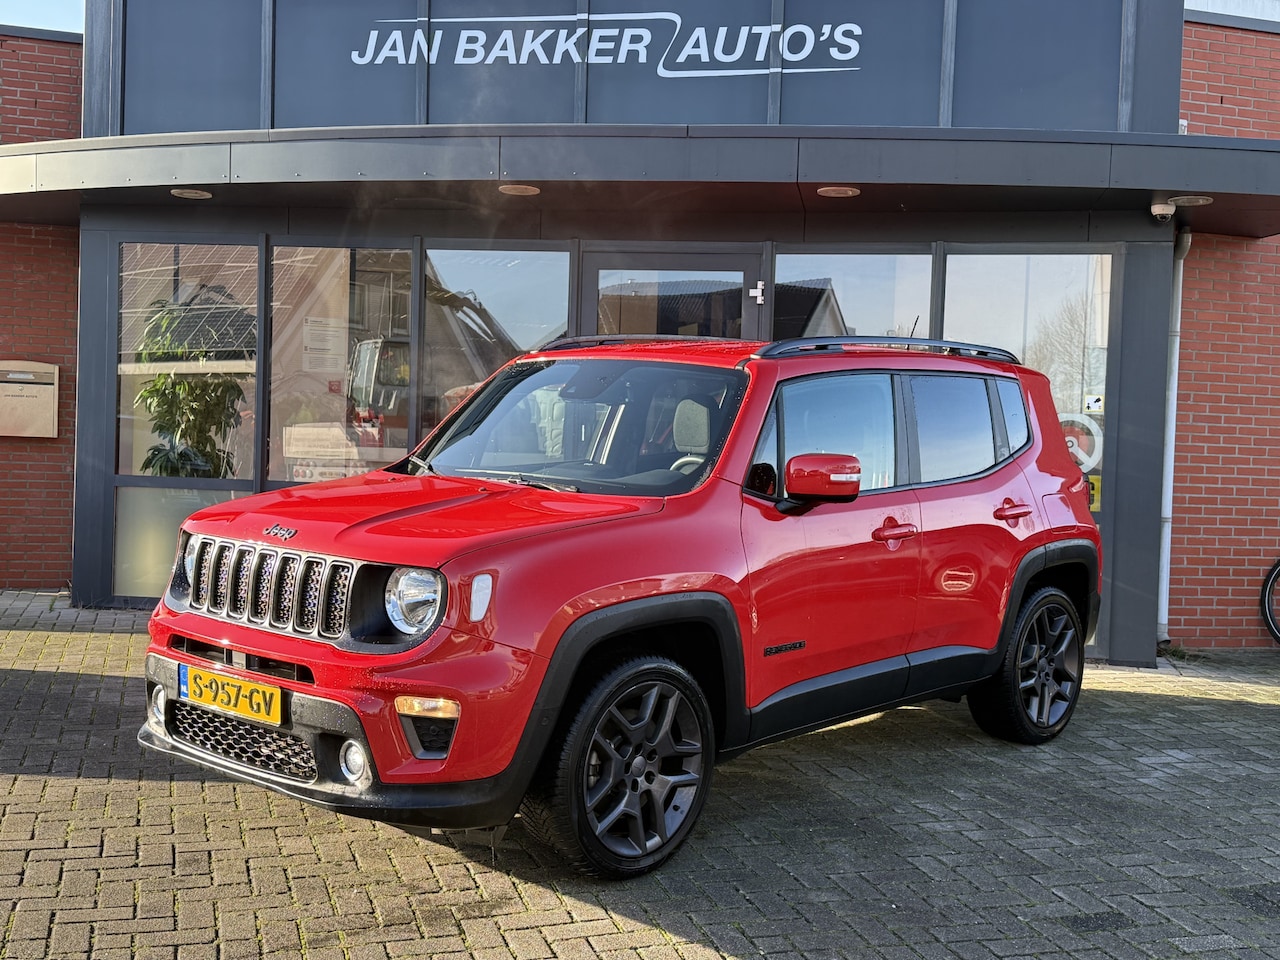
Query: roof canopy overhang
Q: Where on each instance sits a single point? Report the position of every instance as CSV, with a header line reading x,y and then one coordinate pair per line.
x,y
684,169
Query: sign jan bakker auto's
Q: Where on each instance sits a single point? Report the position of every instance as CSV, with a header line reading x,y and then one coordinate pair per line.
x,y
673,46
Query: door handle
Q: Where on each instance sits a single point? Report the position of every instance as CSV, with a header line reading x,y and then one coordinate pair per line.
x,y
894,531
1011,511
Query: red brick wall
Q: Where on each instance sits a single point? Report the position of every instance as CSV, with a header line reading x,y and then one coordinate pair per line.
x,y
39,279
1226,529
1230,81
40,83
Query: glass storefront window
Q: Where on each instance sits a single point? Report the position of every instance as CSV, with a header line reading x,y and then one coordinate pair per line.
x,y
147,521
187,360
691,303
838,294
482,308
339,361
1052,310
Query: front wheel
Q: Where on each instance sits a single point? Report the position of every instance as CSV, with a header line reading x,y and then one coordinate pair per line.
x,y
1271,601
632,774
1032,697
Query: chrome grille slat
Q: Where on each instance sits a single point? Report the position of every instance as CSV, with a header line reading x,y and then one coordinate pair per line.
x,y
264,570
312,577
296,593
286,593
337,592
238,599
204,571
222,576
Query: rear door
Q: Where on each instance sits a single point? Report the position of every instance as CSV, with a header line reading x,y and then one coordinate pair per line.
x,y
976,506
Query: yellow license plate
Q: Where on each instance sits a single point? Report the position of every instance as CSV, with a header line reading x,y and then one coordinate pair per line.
x,y
255,701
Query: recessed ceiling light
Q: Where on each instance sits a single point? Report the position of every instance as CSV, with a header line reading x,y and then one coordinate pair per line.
x,y
1190,200
190,193
519,190
838,192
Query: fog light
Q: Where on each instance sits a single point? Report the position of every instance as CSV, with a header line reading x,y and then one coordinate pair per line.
x,y
352,761
157,705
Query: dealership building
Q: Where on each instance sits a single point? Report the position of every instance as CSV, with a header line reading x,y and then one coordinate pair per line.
x,y
257,243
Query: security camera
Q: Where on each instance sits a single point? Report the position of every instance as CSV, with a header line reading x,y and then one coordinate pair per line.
x,y
1163,212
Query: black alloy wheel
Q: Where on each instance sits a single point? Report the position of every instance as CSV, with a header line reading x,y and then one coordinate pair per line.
x,y
1032,697
633,772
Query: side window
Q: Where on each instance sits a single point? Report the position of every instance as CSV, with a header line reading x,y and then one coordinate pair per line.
x,y
953,423
1015,413
849,413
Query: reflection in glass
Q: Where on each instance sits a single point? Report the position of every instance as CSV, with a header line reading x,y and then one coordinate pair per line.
x,y
187,360
1052,310
822,295
339,361
147,521
482,308
694,303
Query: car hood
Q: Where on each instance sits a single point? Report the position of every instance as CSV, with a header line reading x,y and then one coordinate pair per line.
x,y
424,520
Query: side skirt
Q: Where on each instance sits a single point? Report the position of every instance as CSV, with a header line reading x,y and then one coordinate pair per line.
x,y
870,688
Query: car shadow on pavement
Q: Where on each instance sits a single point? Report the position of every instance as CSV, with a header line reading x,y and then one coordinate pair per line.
x,y
66,724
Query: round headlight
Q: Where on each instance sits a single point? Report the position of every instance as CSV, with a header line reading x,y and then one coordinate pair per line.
x,y
415,599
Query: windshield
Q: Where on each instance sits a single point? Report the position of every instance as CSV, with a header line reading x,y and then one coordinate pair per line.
x,y
598,426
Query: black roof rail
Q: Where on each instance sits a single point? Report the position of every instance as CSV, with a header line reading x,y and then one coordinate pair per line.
x,y
801,346
609,339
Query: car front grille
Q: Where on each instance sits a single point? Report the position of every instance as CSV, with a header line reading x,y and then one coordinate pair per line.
x,y
241,742
300,593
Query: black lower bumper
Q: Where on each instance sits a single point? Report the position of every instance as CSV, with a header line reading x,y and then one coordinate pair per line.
x,y
322,726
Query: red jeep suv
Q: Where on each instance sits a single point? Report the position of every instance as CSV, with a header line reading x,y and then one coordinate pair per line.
x,y
620,561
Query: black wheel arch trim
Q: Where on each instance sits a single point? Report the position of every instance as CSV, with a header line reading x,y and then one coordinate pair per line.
x,y
590,630
1059,553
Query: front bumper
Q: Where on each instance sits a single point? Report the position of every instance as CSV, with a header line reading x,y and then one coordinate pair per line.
x,y
299,758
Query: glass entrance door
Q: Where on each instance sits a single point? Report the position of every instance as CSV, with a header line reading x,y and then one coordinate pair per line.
x,y
672,294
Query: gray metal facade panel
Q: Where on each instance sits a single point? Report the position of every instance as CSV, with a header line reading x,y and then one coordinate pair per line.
x,y
1135,445
743,161
133,167
1157,79
596,158
952,161
435,158
17,174
1195,169
94,524
99,51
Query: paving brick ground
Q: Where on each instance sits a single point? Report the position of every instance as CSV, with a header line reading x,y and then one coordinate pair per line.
x,y
1151,828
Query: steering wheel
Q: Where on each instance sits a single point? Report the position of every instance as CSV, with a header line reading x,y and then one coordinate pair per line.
x,y
688,463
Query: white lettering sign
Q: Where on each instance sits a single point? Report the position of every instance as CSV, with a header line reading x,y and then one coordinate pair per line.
x,y
695,51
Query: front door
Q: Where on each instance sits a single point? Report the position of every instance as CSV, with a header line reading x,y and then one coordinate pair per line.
x,y
673,294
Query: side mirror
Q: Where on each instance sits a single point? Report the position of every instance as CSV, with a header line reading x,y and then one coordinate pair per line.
x,y
823,478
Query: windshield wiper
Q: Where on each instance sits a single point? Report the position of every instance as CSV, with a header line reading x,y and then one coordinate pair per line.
x,y
426,467
542,484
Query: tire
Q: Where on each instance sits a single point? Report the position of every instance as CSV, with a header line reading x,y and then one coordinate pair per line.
x,y
632,772
1033,695
1270,600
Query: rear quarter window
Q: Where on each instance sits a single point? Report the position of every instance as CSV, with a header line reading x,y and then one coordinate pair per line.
x,y
953,426
1015,413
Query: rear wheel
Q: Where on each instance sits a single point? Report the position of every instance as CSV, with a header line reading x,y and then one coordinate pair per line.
x,y
1032,697
632,773
1271,601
